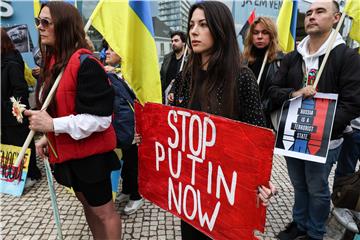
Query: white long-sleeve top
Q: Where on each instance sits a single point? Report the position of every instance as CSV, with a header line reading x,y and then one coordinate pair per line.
x,y
81,126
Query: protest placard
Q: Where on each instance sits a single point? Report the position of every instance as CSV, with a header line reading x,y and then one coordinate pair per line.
x,y
204,169
12,178
19,35
305,127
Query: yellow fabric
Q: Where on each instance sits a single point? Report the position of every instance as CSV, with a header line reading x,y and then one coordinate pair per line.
x,y
131,40
37,6
31,81
286,41
352,9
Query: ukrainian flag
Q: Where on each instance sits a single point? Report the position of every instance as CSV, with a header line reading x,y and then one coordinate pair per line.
x,y
286,24
127,27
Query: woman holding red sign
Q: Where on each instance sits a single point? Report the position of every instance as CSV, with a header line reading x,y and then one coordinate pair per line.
x,y
214,80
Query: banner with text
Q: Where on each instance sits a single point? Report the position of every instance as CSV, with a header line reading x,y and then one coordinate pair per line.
x,y
204,169
12,178
305,127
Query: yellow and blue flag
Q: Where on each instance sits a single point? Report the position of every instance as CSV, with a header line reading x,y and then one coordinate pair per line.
x,y
286,24
127,27
352,9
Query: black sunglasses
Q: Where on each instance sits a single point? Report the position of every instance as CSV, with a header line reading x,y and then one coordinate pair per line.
x,y
43,21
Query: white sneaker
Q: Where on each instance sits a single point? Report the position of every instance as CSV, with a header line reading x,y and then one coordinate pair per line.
x,y
133,205
346,218
30,182
122,197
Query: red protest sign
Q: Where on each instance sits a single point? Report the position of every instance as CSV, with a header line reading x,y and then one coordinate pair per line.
x,y
204,169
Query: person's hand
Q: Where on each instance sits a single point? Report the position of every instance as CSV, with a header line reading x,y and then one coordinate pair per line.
x,y
40,121
137,138
35,71
307,91
170,97
109,68
265,193
42,147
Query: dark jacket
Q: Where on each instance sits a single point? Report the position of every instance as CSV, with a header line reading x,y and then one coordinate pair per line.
x,y
267,77
13,83
272,69
164,68
341,75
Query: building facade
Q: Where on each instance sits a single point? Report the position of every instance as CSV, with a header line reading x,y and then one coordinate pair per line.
x,y
174,13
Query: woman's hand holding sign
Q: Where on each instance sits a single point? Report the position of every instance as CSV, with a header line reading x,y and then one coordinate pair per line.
x,y
265,193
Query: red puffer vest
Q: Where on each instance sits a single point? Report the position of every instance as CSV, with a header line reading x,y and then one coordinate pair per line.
x,y
66,147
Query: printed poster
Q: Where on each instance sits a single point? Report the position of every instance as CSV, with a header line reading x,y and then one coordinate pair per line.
x,y
19,35
12,178
305,127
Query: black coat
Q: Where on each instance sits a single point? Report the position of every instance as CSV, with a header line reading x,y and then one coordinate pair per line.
x,y
341,75
13,83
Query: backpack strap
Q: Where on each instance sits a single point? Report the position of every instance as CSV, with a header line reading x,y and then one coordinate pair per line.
x,y
83,57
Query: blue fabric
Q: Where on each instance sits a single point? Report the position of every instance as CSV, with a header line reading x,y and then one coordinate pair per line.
x,y
143,10
103,54
294,19
349,155
312,194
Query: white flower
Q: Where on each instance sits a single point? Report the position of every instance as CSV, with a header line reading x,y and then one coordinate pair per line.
x,y
17,109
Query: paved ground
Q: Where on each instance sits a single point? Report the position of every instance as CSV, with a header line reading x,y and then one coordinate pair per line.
x,y
31,216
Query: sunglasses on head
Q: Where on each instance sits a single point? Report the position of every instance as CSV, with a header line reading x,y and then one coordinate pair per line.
x,y
43,21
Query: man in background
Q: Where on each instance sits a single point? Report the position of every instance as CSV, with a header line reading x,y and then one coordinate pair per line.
x,y
172,61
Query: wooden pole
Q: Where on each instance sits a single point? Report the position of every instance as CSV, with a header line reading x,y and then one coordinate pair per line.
x,y
183,59
262,67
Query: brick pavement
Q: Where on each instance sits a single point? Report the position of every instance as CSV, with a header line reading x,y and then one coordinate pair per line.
x,y
31,216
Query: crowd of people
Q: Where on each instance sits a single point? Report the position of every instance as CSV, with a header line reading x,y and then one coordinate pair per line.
x,y
80,128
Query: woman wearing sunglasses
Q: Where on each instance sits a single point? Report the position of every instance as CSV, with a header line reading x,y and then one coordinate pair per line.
x,y
79,138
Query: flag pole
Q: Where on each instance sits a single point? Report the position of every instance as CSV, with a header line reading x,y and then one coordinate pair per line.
x,y
183,59
53,198
329,48
263,66
88,24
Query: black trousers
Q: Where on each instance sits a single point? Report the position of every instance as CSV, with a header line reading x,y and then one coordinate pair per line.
x,y
129,172
16,135
188,232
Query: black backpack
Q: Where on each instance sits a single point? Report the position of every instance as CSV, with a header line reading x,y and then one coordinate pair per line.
x,y
346,192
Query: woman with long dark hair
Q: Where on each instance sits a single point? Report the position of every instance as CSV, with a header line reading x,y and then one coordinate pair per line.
x,y
214,80
13,84
79,137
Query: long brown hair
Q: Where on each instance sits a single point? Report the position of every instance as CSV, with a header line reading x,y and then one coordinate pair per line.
x,y
69,37
224,64
6,44
273,47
